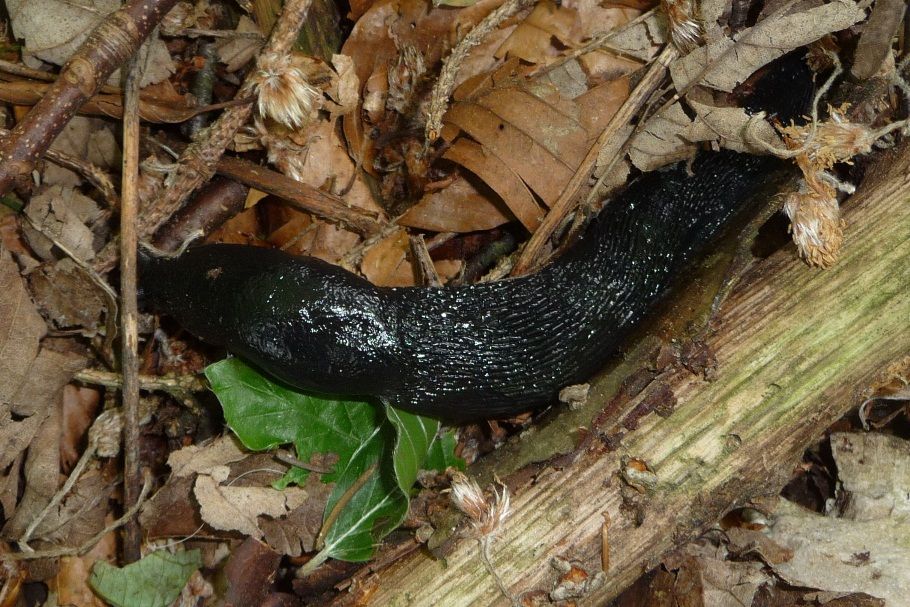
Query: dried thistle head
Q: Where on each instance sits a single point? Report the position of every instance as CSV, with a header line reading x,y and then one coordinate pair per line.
x,y
818,230
285,96
487,515
685,27
835,140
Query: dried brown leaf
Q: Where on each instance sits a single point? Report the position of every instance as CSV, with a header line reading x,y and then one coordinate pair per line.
x,y
237,52
501,178
21,330
202,458
461,207
536,37
231,508
67,297
728,62
64,215
670,135
835,554
387,263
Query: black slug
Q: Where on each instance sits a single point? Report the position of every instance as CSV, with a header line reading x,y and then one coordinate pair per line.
x,y
462,352
469,351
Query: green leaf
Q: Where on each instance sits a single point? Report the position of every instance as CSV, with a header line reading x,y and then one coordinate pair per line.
x,y
265,414
366,501
379,454
415,436
154,581
442,453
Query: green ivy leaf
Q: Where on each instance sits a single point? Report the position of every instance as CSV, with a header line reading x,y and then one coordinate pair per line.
x,y
154,581
379,452
415,435
366,503
442,453
264,414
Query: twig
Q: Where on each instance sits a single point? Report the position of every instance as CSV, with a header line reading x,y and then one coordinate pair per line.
x,y
287,458
129,309
17,69
104,440
58,552
94,174
192,32
531,256
107,48
445,84
424,264
300,195
180,386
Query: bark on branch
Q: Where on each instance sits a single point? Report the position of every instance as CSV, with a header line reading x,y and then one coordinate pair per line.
x,y
794,346
109,47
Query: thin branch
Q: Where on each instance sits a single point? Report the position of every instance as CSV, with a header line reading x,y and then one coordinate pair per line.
x,y
300,195
180,386
58,552
92,173
129,309
108,47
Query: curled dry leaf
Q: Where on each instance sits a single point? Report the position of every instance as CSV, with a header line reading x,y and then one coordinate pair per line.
x,y
64,216
728,62
671,135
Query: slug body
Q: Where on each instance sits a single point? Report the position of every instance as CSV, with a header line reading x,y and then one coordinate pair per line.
x,y
462,352
481,350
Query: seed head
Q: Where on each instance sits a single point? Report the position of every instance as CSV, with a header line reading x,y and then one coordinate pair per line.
x,y
285,96
487,515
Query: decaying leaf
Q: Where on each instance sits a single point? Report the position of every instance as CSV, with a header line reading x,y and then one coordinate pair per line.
x,y
53,29
729,61
842,555
21,330
461,207
89,138
237,52
867,547
66,296
64,215
527,135
195,459
388,263
237,508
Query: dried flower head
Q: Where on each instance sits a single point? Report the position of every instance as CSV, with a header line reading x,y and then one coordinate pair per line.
x,y
487,515
284,93
835,140
815,221
685,27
